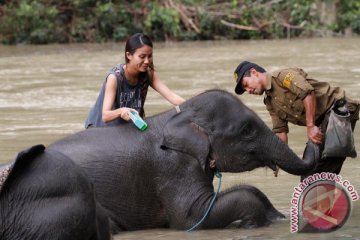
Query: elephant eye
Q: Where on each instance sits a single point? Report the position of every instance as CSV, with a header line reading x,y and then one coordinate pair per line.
x,y
248,130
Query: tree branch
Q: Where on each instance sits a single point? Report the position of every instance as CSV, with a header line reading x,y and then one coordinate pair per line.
x,y
237,26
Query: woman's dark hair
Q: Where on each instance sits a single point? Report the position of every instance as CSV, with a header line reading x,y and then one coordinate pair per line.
x,y
136,41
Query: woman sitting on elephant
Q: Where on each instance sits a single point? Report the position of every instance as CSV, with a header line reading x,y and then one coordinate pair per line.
x,y
125,86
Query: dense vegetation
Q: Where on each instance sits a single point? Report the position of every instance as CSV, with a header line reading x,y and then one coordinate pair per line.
x,y
66,21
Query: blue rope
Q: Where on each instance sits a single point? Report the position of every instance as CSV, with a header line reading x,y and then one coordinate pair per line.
x,y
218,175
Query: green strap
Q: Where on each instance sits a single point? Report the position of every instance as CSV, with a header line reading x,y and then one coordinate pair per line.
x,y
218,175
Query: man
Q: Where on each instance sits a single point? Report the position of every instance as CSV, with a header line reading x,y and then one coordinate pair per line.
x,y
290,96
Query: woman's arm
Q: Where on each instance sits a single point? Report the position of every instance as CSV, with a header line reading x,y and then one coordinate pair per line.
x,y
108,114
164,91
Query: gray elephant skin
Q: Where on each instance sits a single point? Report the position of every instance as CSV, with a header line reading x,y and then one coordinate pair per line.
x,y
45,195
162,177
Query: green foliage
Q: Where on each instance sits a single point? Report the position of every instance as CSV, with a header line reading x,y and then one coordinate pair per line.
x,y
64,21
28,22
349,16
162,22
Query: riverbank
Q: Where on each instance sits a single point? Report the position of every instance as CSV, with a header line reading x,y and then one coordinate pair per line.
x,y
44,22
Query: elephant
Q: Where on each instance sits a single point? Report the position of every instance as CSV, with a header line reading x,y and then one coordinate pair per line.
x,y
163,177
45,195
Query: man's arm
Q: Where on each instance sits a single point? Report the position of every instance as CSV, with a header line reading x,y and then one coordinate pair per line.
x,y
283,137
313,132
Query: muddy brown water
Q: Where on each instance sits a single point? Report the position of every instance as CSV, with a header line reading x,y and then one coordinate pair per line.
x,y
46,92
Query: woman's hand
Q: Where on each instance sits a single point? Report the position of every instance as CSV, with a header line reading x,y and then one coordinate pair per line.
x,y
124,113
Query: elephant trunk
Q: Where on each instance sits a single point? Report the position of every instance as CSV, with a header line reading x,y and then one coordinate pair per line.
x,y
287,160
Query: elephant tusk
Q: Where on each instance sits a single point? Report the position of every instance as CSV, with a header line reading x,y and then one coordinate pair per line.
x,y
212,163
276,171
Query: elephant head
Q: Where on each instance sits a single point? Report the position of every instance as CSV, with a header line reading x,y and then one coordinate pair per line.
x,y
216,125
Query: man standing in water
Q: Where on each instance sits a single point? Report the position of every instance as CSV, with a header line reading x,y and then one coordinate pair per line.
x,y
290,96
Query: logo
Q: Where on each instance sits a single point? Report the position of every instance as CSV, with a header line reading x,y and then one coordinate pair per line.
x,y
288,79
321,203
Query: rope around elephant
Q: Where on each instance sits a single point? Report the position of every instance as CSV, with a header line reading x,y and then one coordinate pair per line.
x,y
218,175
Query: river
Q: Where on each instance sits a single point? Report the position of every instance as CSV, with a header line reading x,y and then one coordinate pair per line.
x,y
46,92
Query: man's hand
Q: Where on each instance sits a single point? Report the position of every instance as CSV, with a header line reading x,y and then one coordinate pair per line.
x,y
314,134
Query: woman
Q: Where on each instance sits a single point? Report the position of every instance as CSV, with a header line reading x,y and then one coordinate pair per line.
x,y
125,86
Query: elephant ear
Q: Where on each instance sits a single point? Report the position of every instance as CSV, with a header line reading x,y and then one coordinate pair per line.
x,y
183,135
24,158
